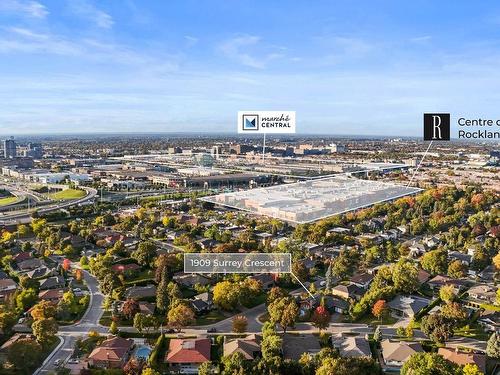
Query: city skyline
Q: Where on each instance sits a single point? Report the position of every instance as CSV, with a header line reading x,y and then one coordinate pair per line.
x,y
87,67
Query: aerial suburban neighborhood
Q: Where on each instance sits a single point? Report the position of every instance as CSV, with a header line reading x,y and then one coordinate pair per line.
x,y
93,277
249,187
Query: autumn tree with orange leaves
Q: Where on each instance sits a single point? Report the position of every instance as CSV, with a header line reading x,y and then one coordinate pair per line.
x,y
379,308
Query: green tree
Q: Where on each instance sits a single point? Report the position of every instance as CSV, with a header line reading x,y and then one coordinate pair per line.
x,y
24,354
7,318
206,368
145,253
234,364
180,316
149,371
240,323
44,330
276,293
428,363
435,261
493,346
348,366
26,298
226,295
471,369
405,276
113,328
447,293
162,297
456,269
271,346
437,327
283,311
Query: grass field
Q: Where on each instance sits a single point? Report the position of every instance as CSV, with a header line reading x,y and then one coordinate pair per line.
x,y
68,194
8,200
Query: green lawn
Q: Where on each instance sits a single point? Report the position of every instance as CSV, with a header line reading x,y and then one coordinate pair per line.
x,y
68,194
371,320
8,200
212,317
475,331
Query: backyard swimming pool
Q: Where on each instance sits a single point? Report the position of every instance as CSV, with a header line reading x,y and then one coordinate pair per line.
x,y
142,352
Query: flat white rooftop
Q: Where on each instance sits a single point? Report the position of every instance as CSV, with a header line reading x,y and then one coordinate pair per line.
x,y
312,200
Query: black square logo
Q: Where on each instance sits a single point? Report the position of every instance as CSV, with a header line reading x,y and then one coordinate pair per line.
x,y
436,126
250,122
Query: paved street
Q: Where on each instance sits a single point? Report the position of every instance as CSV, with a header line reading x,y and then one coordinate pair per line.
x,y
69,334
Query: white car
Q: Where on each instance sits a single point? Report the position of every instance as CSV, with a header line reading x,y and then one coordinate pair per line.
x,y
57,362
73,361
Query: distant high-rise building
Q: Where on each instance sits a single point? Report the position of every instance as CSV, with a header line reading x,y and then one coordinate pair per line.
x,y
9,148
34,150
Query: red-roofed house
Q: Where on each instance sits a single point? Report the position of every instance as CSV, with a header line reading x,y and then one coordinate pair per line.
x,y
186,355
112,353
51,295
463,358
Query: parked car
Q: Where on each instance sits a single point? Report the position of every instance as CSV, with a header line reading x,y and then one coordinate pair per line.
x,y
73,361
57,362
211,330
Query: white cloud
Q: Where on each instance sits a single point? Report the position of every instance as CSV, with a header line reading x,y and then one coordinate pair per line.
x,y
190,40
27,8
85,9
421,39
243,49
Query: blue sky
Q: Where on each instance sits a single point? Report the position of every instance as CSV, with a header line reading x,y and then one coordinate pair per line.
x,y
346,67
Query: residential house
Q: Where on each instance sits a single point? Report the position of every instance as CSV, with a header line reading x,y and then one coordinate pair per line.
x,y
51,295
423,276
490,321
417,249
113,352
140,292
463,358
431,241
294,346
202,303
407,306
7,288
4,349
465,259
190,279
488,274
248,346
338,230
480,294
207,243
351,346
395,353
348,292
266,279
362,280
147,307
440,280
29,264
376,224
74,240
53,282
41,272
335,305
184,356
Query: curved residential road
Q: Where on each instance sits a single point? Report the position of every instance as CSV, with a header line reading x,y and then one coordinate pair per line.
x,y
69,334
